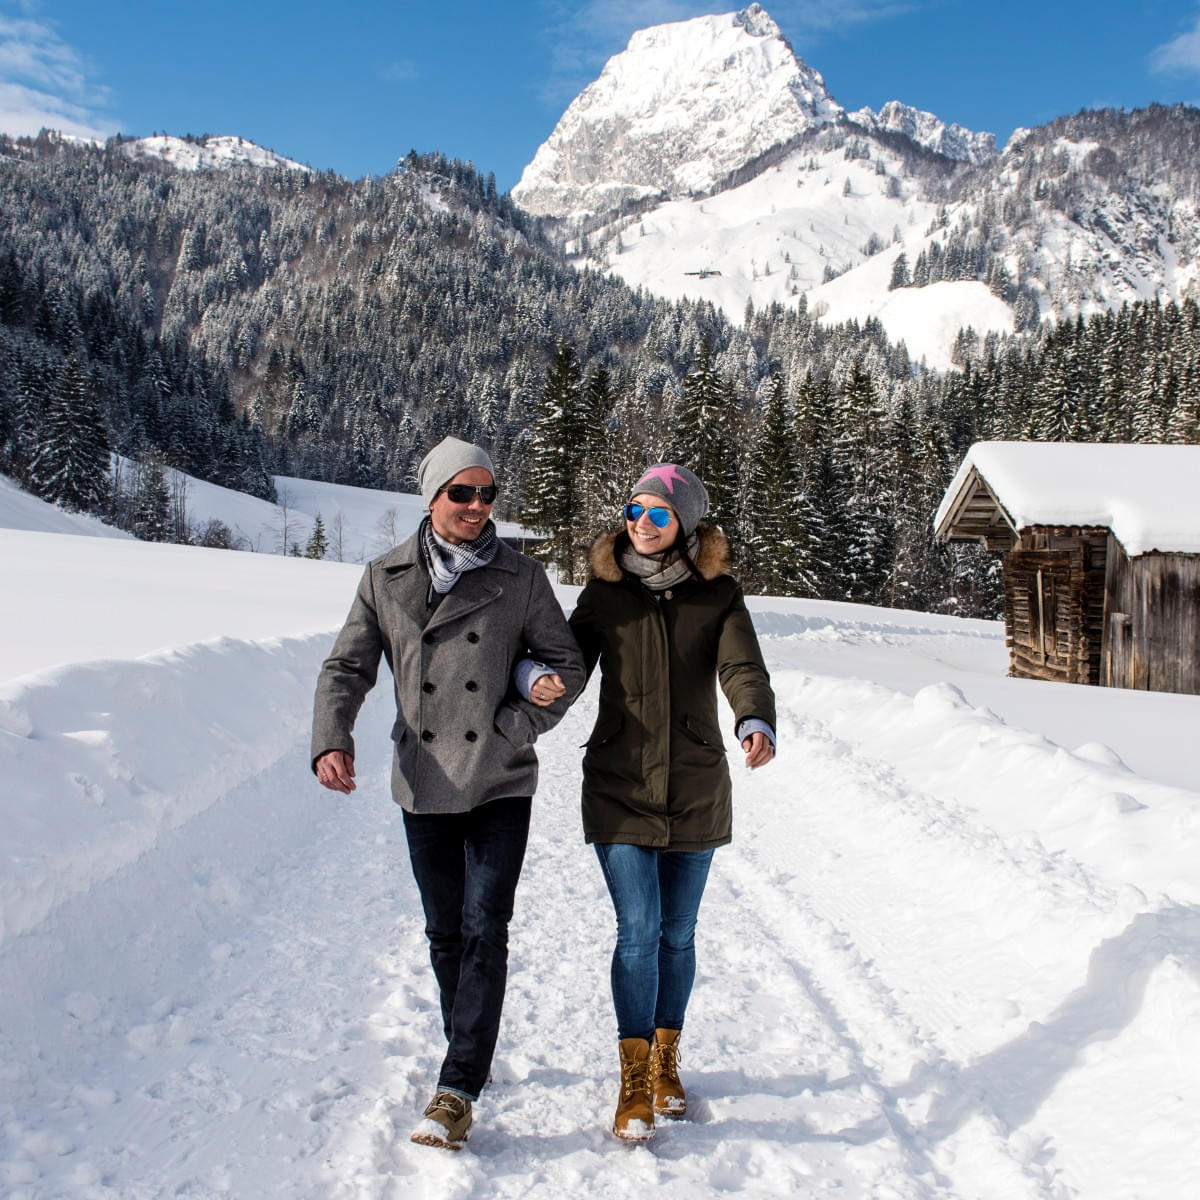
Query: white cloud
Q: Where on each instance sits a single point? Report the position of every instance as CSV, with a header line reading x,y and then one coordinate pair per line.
x,y
401,70
44,84
1179,54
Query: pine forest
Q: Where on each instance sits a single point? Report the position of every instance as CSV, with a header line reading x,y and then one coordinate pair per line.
x,y
242,323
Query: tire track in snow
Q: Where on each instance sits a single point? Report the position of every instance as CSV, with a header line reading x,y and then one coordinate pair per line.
x,y
876,875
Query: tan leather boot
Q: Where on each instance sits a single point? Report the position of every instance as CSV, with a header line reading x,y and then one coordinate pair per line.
x,y
666,1092
634,1121
446,1122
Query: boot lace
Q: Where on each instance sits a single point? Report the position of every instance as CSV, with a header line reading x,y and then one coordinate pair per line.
x,y
664,1061
635,1077
449,1103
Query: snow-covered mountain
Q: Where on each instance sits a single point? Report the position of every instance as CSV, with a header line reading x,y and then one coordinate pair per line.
x,y
681,109
208,152
709,162
929,131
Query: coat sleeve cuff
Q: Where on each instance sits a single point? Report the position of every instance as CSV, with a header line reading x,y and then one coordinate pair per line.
x,y
753,725
526,673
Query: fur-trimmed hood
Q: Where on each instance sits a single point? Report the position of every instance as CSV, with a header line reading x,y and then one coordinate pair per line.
x,y
712,555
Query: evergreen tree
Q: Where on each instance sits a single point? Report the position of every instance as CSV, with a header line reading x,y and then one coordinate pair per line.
x,y
601,488
828,489
901,278
151,518
70,465
860,458
554,457
780,528
318,543
703,437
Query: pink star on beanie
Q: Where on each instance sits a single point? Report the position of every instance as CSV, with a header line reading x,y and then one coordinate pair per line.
x,y
667,472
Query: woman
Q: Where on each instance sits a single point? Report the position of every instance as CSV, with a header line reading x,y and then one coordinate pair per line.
x,y
665,621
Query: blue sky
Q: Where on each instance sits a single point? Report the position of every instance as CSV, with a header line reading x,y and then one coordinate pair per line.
x,y
354,85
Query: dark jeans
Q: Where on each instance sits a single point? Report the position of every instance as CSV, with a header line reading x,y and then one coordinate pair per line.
x,y
466,866
657,896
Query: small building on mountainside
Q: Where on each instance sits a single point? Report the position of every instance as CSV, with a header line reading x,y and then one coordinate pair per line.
x,y
1101,548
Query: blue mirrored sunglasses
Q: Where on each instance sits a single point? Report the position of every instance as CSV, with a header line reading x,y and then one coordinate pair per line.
x,y
660,518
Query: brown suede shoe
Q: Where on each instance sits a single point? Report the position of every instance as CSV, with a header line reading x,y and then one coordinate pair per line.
x,y
666,1092
446,1122
634,1120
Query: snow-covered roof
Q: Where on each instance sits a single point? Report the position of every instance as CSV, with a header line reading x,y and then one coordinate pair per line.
x,y
1148,495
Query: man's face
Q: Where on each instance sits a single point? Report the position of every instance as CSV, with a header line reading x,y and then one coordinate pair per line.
x,y
459,523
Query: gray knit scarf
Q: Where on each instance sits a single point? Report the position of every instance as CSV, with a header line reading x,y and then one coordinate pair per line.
x,y
660,571
446,561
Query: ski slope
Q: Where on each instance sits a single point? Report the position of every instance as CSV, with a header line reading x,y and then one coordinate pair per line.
x,y
952,951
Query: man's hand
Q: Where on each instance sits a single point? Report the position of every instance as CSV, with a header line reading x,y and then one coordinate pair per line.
x,y
546,690
758,750
335,770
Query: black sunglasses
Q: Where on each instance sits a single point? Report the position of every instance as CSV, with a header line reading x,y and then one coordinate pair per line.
x,y
464,493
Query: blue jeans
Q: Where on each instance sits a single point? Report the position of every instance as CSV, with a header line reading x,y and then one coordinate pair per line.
x,y
466,866
656,894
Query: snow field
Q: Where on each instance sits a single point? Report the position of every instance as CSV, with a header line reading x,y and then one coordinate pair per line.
x,y
951,952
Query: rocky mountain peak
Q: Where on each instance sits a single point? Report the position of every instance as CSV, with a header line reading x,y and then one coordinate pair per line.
x,y
928,130
675,113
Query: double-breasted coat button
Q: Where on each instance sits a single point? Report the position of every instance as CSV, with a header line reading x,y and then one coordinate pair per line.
x,y
428,687
429,639
472,686
428,735
472,638
471,735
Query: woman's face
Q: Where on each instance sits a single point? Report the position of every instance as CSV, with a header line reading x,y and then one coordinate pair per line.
x,y
644,535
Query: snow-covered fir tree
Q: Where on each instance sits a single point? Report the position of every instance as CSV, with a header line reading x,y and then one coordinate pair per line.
x,y
69,466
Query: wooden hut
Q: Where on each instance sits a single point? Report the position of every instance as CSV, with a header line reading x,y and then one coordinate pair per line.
x,y
1101,547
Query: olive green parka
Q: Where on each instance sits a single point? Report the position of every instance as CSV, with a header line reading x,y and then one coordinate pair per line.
x,y
654,771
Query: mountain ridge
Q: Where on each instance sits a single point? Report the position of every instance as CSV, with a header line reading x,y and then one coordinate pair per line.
x,y
860,212
690,103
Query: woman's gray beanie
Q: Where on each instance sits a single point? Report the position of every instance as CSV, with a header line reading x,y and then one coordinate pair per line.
x,y
680,488
445,460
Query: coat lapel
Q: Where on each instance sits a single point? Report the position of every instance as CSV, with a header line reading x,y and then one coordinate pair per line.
x,y
473,590
405,583
408,585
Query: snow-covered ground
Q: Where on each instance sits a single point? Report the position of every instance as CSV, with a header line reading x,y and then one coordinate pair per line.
x,y
208,153
770,239
360,523
952,951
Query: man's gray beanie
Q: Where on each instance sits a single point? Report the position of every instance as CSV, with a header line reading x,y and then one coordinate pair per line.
x,y
445,461
679,487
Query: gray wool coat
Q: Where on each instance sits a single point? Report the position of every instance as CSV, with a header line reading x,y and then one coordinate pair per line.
x,y
463,735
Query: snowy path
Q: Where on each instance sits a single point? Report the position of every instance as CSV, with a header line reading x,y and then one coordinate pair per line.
x,y
898,998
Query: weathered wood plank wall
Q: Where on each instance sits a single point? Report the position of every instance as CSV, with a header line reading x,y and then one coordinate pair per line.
x,y
1054,604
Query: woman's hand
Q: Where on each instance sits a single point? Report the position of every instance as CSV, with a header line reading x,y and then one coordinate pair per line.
x,y
335,770
759,750
546,689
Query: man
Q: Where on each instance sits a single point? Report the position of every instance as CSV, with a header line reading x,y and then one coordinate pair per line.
x,y
451,609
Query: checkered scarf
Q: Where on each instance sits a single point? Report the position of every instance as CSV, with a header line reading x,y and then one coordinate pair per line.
x,y
446,561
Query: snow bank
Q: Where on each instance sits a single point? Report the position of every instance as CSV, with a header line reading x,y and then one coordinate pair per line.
x,y
70,599
103,758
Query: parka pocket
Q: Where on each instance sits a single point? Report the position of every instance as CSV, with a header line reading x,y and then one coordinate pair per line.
x,y
705,734
604,731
